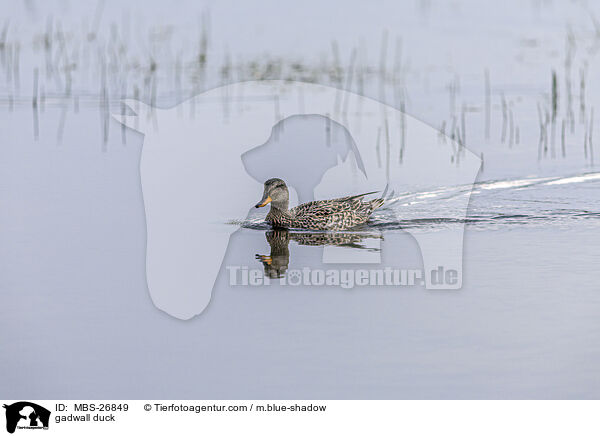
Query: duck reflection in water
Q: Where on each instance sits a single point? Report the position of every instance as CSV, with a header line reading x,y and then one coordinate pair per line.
x,y
277,262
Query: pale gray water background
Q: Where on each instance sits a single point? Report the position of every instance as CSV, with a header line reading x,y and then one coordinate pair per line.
x,y
77,320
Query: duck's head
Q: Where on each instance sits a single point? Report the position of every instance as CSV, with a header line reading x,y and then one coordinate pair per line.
x,y
276,193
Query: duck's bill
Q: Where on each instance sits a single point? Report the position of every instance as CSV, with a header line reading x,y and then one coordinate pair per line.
x,y
264,202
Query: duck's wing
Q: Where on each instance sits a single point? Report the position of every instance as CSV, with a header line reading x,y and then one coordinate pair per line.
x,y
330,207
354,197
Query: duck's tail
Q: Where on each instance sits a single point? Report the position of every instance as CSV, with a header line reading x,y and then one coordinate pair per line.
x,y
373,204
378,202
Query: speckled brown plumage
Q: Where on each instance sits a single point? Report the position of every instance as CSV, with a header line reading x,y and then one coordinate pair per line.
x,y
336,214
